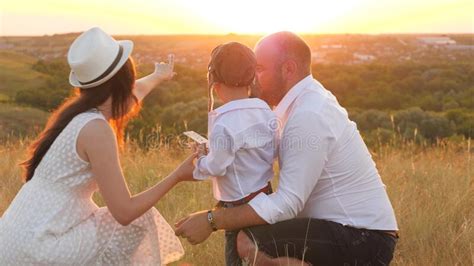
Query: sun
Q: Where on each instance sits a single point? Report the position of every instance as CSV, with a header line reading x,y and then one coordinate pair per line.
x,y
261,17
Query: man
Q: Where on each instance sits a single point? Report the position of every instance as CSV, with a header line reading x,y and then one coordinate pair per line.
x,y
331,207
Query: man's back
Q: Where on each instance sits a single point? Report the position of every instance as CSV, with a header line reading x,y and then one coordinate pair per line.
x,y
349,189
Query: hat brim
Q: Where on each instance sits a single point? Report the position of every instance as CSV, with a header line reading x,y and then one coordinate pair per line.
x,y
127,50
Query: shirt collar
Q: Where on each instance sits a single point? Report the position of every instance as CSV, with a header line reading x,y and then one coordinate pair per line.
x,y
248,103
292,94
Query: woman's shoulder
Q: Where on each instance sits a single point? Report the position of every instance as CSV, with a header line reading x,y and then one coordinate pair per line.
x,y
89,128
96,136
95,127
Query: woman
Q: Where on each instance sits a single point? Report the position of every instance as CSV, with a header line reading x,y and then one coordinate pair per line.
x,y
52,219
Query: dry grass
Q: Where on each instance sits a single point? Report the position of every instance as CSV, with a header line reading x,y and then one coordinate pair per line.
x,y
432,193
431,190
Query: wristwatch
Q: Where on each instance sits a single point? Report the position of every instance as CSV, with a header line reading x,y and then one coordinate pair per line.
x,y
210,219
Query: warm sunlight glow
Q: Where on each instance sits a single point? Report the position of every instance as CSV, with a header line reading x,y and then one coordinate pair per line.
x,y
248,16
31,17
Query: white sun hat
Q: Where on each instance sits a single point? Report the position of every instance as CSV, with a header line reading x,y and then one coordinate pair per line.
x,y
95,57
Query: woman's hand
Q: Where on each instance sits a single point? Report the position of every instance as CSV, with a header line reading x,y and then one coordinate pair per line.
x,y
184,172
164,71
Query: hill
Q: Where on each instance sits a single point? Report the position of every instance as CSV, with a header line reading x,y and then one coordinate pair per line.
x,y
390,84
16,74
18,121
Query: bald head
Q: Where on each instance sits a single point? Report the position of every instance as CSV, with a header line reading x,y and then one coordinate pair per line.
x,y
283,59
287,45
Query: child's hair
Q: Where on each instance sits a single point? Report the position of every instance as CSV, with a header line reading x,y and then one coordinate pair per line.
x,y
232,64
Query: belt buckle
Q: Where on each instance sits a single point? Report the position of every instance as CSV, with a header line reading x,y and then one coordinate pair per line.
x,y
228,205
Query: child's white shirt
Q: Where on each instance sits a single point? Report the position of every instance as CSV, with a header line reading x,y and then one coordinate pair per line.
x,y
242,148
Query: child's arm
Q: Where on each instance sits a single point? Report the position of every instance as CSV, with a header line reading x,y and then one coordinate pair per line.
x,y
222,148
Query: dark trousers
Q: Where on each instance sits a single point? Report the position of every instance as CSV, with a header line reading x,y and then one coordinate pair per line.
x,y
321,242
231,255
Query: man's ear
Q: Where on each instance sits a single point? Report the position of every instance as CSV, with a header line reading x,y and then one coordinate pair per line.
x,y
289,69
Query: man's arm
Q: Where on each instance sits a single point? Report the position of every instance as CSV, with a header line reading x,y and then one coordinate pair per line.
x,y
247,217
303,150
196,227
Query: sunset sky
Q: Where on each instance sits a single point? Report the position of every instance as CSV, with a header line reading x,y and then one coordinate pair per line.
x,y
39,17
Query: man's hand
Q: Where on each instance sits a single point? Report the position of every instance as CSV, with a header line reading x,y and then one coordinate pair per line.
x,y
195,228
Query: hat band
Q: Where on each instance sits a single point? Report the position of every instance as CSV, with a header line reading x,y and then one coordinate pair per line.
x,y
109,69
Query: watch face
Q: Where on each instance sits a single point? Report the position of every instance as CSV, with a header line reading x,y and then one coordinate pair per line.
x,y
210,219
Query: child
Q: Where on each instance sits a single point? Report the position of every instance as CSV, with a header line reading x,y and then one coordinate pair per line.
x,y
241,138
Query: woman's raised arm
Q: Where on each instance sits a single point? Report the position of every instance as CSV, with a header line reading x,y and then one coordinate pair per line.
x,y
163,72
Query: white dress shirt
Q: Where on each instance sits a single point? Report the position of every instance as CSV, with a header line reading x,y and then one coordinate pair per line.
x,y
241,149
326,170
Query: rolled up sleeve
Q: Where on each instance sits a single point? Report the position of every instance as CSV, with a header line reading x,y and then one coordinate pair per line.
x,y
222,148
303,153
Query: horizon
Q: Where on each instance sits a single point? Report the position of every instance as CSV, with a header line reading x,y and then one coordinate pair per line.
x,y
207,17
247,34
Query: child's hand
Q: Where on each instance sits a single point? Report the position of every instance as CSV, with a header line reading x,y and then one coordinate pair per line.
x,y
199,149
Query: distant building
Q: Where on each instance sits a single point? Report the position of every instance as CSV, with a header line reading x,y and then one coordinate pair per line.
x,y
364,57
436,40
332,46
317,57
461,47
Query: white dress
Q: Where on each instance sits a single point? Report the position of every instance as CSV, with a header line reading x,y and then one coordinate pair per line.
x,y
53,220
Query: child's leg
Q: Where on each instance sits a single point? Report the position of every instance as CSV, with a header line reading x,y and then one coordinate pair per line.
x,y
231,254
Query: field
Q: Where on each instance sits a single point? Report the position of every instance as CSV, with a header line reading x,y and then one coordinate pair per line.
x,y
431,189
412,102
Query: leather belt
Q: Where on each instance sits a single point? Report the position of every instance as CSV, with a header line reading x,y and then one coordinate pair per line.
x,y
228,204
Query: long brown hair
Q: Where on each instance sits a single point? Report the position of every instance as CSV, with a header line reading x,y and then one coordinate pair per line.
x,y
118,88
